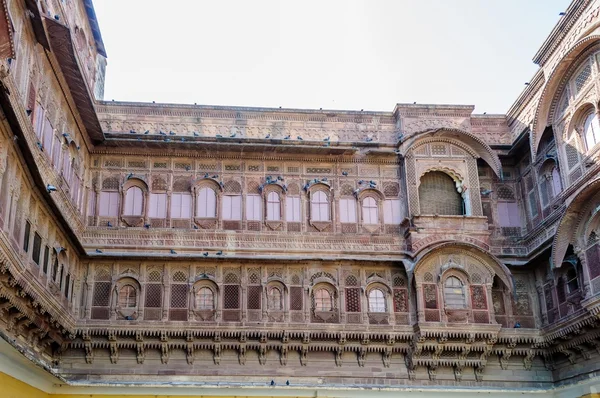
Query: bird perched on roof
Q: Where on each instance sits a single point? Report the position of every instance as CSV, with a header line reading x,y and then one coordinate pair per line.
x,y
196,134
205,175
147,132
147,226
129,176
109,224
214,176
99,251
50,188
171,133
28,112
299,138
173,251
345,173
195,226
219,253
232,135
268,135
486,192
287,137
205,254
326,139
40,146
187,168
369,139
219,136
131,131
161,132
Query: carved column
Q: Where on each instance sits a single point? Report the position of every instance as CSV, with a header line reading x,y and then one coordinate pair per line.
x,y
168,218
492,313
539,287
420,304
581,255
88,302
166,294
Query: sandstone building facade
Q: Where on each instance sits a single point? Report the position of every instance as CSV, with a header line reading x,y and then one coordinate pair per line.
x,y
253,251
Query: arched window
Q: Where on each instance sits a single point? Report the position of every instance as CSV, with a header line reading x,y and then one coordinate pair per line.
x,y
273,207
454,293
370,211
376,301
207,203
205,299
319,207
134,200
275,299
438,195
572,283
127,297
591,130
323,300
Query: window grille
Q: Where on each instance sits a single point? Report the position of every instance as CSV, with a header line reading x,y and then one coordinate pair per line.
x,y
351,281
159,184
353,300
179,276
391,190
296,295
100,300
46,259
231,297
254,297
438,195
153,295
478,297
583,78
400,300
430,296
398,281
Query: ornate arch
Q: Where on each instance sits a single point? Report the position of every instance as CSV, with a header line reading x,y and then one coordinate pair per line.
x,y
450,171
491,264
474,145
577,208
554,86
135,181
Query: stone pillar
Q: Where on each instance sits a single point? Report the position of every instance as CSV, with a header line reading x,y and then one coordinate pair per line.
x,y
168,217
420,304
492,313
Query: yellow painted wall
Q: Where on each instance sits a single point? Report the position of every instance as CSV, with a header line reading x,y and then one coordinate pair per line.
x,y
13,388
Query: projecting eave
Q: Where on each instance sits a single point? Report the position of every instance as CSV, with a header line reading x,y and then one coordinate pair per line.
x,y
61,45
225,144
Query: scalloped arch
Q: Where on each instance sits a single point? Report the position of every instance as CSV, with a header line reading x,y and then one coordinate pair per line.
x,y
571,219
471,143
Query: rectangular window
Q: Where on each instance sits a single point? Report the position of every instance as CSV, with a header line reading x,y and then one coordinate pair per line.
x,y
181,205
37,246
91,208
533,204
38,124
48,133
292,209
232,207
26,237
348,210
46,259
109,204
392,211
544,192
207,203
253,207
134,201
158,205
508,214
56,153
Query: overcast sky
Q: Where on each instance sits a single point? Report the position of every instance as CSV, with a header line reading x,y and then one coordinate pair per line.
x,y
345,54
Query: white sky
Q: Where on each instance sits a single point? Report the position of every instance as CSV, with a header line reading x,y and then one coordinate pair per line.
x,y
343,54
